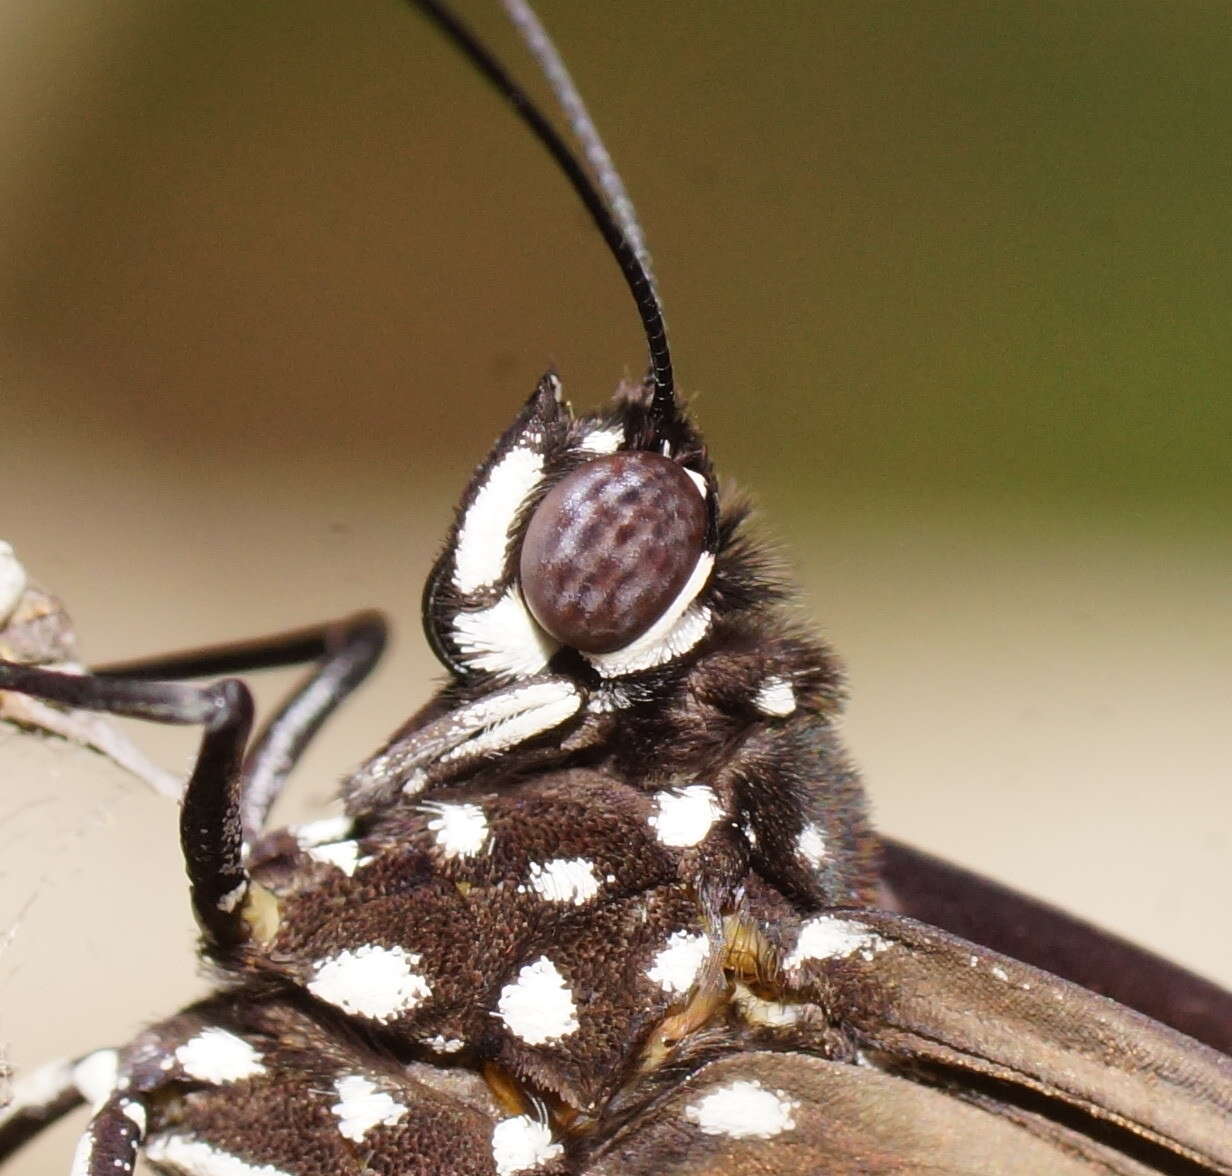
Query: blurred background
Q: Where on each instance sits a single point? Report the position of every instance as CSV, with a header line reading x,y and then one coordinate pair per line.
x,y
949,287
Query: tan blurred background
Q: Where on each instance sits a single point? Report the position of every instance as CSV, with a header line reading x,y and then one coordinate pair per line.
x,y
948,282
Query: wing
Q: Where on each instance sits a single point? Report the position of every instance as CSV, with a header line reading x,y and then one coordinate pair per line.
x,y
788,1114
933,891
965,1062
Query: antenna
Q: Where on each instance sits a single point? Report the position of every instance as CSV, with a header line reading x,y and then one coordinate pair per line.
x,y
604,196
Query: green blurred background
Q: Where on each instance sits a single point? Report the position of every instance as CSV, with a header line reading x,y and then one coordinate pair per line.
x,y
948,284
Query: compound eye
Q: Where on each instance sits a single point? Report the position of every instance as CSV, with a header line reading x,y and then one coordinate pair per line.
x,y
610,547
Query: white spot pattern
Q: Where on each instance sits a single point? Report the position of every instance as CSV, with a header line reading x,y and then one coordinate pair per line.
x,y
603,440
479,557
826,937
214,1055
811,844
361,1106
683,817
538,1006
675,968
460,830
503,638
743,1110
343,855
775,697
564,880
370,981
522,1144
232,898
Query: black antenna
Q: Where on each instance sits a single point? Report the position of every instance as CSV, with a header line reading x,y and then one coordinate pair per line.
x,y
606,200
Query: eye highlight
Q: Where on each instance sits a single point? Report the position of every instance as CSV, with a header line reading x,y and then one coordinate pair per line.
x,y
610,547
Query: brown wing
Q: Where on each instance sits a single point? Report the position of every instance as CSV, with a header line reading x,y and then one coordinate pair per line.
x,y
1037,1050
787,1114
936,892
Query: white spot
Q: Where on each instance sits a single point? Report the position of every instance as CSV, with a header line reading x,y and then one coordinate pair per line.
x,y
39,1087
479,557
512,716
538,1006
698,481
771,1014
342,854
460,829
750,834
775,696
675,968
1000,973
13,581
216,1056
503,639
565,880
602,440
195,1157
370,981
96,1075
322,832
684,817
811,844
520,1144
83,1155
134,1112
442,1044
743,1110
361,1107
677,631
233,898
828,937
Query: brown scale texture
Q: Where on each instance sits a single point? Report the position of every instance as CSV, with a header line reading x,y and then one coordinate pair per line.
x,y
610,547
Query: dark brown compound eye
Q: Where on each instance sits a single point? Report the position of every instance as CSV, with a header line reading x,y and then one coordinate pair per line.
x,y
610,547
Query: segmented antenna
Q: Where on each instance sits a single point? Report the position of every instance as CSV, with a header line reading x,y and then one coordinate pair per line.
x,y
604,197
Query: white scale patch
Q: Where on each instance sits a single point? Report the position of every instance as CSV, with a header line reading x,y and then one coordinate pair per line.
x,y
83,1155
361,1106
443,1044
370,981
479,557
538,1006
602,440
195,1157
513,716
675,968
460,830
521,1145
232,898
743,1110
677,631
775,697
565,880
504,638
13,582
96,1075
322,832
811,844
344,855
828,937
683,818
216,1056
